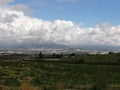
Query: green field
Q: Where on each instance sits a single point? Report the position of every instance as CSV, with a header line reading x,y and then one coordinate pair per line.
x,y
73,73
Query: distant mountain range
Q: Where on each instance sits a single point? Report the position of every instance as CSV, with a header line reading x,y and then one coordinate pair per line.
x,y
25,46
59,46
96,47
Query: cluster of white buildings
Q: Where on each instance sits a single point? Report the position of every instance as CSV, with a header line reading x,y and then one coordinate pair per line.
x,y
51,51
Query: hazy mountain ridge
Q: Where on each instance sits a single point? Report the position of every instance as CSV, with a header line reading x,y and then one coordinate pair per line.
x,y
59,46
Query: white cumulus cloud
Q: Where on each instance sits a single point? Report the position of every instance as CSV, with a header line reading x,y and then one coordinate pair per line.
x,y
15,27
19,7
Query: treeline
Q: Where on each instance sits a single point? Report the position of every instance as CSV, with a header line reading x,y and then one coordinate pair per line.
x,y
72,58
44,56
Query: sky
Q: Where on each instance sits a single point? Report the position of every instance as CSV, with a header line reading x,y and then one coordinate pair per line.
x,y
67,22
88,12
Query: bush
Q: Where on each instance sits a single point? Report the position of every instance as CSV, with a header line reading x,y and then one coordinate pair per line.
x,y
12,82
80,61
37,81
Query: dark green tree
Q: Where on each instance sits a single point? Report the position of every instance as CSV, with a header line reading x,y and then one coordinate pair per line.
x,y
40,55
80,61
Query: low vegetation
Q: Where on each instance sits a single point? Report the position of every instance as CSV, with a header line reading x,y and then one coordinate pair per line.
x,y
90,72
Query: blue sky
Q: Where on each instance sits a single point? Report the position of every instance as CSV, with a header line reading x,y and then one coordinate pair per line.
x,y
88,12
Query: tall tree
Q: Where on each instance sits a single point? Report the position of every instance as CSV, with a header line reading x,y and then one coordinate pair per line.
x,y
40,55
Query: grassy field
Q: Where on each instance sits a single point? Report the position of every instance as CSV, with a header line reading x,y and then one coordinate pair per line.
x,y
73,73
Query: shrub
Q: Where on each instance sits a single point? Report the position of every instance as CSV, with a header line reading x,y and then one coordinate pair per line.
x,y
80,61
12,82
37,81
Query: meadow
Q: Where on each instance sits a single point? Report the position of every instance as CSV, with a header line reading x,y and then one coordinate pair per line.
x,y
89,72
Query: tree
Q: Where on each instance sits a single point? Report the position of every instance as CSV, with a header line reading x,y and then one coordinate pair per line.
x,y
40,55
72,55
54,55
62,55
80,61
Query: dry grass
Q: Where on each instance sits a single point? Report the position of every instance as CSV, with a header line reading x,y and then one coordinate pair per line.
x,y
83,87
113,87
60,86
3,87
27,86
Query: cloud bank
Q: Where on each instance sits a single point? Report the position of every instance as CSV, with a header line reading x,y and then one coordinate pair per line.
x,y
16,27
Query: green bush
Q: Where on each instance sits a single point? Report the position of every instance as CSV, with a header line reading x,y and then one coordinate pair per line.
x,y
37,81
11,82
80,61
